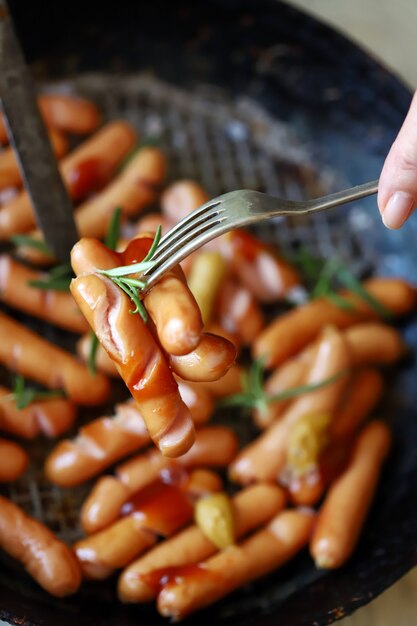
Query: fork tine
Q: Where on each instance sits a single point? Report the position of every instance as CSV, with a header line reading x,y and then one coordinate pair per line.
x,y
196,217
187,243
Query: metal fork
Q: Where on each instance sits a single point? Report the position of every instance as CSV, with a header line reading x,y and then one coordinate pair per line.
x,y
230,211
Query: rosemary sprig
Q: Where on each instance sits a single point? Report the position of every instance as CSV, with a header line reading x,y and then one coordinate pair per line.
x,y
254,396
58,279
23,395
91,360
133,286
30,242
326,277
113,231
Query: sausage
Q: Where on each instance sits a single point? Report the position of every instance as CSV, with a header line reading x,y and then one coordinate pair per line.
x,y
252,507
214,328
150,222
56,307
13,461
98,444
132,190
363,394
24,351
159,510
215,446
227,385
291,374
69,113
181,198
51,417
264,458
103,362
258,266
208,362
198,400
65,113
130,344
369,343
45,558
343,513
239,312
175,313
84,170
9,169
265,551
292,331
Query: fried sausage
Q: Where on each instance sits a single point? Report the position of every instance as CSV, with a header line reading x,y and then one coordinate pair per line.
x,y
65,113
85,169
175,313
24,351
99,443
208,362
130,344
51,417
181,198
198,400
239,312
292,331
264,458
258,266
56,307
159,510
265,551
9,169
45,558
343,513
13,461
215,446
132,190
227,385
252,507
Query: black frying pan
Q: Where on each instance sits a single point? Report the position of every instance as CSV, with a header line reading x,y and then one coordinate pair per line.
x,y
347,108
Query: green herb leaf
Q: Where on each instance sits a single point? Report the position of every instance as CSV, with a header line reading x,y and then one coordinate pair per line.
x,y
253,395
133,286
350,282
24,396
91,361
29,242
113,231
58,279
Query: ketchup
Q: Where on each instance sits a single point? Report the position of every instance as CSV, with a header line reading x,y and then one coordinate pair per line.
x,y
158,578
163,508
88,175
245,245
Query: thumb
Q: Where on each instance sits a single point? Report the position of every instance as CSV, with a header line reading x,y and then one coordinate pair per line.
x,y
397,194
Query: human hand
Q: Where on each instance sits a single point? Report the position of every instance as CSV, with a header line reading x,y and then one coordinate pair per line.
x,y
397,195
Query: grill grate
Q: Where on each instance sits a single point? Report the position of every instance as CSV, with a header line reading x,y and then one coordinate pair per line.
x,y
224,145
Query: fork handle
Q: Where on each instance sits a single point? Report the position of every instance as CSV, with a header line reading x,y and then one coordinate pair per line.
x,y
342,197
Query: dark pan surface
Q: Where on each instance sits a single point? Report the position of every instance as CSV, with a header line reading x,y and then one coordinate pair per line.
x,y
344,110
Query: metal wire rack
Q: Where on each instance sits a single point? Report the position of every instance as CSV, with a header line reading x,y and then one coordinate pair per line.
x,y
224,145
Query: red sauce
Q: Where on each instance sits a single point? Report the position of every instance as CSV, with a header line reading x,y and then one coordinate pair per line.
x,y
245,245
163,508
87,176
158,578
137,250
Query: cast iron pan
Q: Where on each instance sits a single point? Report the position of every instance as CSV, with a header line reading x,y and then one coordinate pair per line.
x,y
347,109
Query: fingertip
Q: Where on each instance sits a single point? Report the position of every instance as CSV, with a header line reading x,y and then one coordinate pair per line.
x,y
397,210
